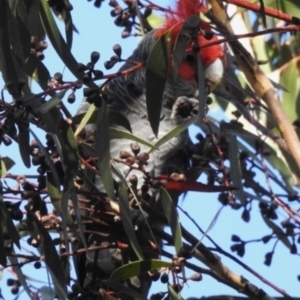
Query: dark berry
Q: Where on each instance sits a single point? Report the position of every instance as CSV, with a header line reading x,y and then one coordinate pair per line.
x,y
37,265
117,49
95,57
164,278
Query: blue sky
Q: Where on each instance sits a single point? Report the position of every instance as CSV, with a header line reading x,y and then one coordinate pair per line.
x,y
97,33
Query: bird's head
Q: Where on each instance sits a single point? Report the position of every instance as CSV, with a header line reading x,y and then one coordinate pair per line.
x,y
211,56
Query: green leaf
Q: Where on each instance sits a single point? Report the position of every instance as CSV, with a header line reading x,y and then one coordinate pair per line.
x,y
8,162
15,41
116,118
175,132
235,167
278,231
55,100
172,217
67,18
75,202
34,68
288,6
7,65
57,40
156,76
66,146
103,150
11,54
120,134
55,196
90,117
24,143
13,4
233,129
126,221
291,7
3,170
70,164
33,18
290,99
137,268
7,223
172,293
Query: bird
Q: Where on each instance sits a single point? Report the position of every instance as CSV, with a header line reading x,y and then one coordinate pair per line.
x,y
127,96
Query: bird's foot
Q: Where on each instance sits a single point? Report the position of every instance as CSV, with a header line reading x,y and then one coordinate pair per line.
x,y
184,108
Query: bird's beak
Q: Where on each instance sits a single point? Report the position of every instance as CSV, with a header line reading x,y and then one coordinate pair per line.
x,y
213,74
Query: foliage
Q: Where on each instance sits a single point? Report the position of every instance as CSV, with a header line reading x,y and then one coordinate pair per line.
x,y
245,140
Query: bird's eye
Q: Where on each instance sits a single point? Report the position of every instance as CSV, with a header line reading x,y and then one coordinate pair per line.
x,y
208,35
190,58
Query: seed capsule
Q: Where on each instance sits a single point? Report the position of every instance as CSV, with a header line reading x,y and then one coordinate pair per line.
x,y
164,278
71,98
135,148
124,154
95,57
133,180
117,49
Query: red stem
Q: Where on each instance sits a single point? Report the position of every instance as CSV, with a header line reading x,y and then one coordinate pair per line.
x,y
275,13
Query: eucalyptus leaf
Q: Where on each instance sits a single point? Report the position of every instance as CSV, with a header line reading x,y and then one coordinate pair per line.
x,y
7,223
87,117
54,101
7,66
120,134
236,173
278,231
69,27
56,198
103,150
126,221
156,76
138,267
57,40
175,132
172,217
8,162
172,293
24,143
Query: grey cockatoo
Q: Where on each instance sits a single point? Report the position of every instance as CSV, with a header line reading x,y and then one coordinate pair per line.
x,y
128,97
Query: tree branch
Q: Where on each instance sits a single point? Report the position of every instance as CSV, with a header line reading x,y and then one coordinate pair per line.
x,y
259,81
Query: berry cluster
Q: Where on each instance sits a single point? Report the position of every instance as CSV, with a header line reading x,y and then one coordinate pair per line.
x,y
37,47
